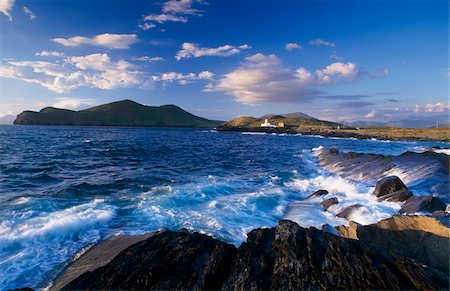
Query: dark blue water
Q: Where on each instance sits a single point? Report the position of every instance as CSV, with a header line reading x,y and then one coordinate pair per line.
x,y
62,189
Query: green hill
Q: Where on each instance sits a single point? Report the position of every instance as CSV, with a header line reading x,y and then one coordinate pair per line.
x,y
294,122
120,113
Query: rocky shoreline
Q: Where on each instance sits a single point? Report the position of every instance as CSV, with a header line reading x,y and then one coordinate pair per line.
x,y
286,257
385,134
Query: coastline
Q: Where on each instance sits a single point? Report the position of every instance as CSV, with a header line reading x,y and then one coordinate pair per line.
x,y
396,134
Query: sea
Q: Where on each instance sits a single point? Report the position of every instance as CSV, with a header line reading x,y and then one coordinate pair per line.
x,y
64,189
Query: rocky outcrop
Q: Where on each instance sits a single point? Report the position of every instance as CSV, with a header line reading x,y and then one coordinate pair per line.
x,y
348,211
317,194
391,189
425,239
327,203
287,257
422,204
428,170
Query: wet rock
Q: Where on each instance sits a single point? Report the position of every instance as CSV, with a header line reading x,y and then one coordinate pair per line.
x,y
347,211
330,229
287,257
422,204
317,194
165,261
328,202
391,189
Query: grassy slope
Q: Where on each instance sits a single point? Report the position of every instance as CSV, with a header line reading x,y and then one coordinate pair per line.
x,y
120,113
252,122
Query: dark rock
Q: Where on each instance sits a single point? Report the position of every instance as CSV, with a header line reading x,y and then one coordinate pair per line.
x,y
328,202
21,289
330,229
287,257
441,213
317,194
422,204
347,211
391,189
167,260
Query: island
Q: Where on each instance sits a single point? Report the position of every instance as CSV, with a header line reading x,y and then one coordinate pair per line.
x,y
120,113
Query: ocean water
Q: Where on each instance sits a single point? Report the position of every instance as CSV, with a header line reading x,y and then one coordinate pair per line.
x,y
63,189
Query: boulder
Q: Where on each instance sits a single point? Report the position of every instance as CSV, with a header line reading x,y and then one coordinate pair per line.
x,y
347,211
328,202
350,231
422,204
392,189
317,194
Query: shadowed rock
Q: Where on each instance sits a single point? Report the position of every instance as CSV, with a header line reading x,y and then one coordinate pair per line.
x,y
423,238
328,202
422,204
317,194
347,211
391,189
287,257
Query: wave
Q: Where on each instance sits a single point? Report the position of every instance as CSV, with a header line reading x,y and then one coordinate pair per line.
x,y
28,245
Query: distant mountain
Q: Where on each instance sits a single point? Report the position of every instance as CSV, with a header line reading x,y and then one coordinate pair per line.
x,y
289,115
363,123
7,119
120,113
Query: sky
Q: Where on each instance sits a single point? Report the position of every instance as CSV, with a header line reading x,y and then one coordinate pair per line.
x,y
219,59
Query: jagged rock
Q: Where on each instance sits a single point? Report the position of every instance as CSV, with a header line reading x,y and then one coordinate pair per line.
x,y
347,211
330,229
328,202
391,189
317,194
168,260
422,204
425,239
350,231
287,257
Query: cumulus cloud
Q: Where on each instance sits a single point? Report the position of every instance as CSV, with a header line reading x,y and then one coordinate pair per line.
x,y
108,40
49,54
71,103
371,114
173,11
29,13
321,42
263,78
189,50
93,71
6,8
438,107
292,46
183,79
147,59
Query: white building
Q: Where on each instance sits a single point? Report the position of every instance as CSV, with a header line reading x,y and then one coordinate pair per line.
x,y
268,124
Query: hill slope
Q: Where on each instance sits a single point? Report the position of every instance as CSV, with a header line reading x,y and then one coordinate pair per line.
x,y
120,113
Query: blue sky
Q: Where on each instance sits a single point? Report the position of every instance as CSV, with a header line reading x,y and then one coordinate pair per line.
x,y
336,60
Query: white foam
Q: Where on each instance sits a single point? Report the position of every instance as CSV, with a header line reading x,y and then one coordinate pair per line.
x,y
254,133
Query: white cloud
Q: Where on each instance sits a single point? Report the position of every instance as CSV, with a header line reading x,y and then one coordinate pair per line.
x,y
429,108
147,59
336,58
173,11
161,18
189,50
6,7
70,103
262,78
146,26
108,40
371,114
292,46
92,71
49,54
321,42
29,13
183,79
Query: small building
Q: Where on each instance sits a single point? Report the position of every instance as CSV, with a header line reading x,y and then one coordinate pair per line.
x,y
280,125
268,124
